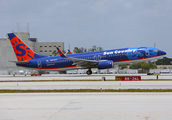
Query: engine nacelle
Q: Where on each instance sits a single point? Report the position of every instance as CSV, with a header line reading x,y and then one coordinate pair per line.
x,y
105,64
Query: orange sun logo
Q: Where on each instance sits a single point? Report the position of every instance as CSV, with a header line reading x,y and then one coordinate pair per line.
x,y
22,51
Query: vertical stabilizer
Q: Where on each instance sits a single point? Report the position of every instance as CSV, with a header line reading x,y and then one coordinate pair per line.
x,y
21,50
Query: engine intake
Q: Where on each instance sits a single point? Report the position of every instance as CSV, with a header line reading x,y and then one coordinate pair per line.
x,y
105,64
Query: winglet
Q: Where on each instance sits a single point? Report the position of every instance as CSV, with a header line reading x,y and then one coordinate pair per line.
x,y
60,52
69,51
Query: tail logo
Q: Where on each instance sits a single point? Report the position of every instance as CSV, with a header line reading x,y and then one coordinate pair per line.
x,y
22,51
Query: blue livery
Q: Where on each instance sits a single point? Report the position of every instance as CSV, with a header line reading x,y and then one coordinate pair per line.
x,y
101,59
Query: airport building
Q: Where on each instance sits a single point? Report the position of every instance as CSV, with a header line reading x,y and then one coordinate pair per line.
x,y
7,54
164,66
46,48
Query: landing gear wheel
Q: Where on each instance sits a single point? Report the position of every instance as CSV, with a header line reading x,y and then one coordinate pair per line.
x,y
89,72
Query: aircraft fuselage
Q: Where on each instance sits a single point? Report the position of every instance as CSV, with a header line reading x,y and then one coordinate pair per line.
x,y
118,56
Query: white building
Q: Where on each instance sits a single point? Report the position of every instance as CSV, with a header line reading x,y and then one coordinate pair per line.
x,y
46,48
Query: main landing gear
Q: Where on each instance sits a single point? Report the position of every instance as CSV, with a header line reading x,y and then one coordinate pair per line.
x,y
89,72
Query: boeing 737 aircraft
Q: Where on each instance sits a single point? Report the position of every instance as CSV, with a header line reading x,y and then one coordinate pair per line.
x,y
101,59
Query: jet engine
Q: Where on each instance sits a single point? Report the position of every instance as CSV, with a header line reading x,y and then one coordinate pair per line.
x,y
105,64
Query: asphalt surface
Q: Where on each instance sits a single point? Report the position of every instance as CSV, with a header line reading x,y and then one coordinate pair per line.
x,y
84,106
79,77
77,106
55,82
87,85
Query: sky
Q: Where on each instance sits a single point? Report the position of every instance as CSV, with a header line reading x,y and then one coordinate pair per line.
x,y
109,24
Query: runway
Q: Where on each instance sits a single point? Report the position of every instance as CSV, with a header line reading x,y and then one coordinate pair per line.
x,y
77,106
53,106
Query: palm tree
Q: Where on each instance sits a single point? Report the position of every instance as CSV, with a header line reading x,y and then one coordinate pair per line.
x,y
54,53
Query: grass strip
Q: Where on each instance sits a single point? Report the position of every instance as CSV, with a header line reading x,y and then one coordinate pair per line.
x,y
84,90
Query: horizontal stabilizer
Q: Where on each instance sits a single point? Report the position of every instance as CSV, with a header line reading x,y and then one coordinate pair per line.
x,y
20,62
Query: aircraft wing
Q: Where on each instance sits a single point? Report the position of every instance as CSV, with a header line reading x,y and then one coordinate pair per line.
x,y
81,62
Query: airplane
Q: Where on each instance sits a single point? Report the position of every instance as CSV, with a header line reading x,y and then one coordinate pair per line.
x,y
101,59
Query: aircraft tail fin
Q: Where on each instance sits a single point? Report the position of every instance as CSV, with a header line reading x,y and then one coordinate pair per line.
x,y
21,50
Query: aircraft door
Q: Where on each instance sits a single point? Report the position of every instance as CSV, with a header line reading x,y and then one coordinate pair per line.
x,y
39,64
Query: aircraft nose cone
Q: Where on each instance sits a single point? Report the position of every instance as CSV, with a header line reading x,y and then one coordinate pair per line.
x,y
161,52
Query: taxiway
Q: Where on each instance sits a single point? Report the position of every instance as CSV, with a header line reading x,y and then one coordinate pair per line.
x,y
86,85
79,77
